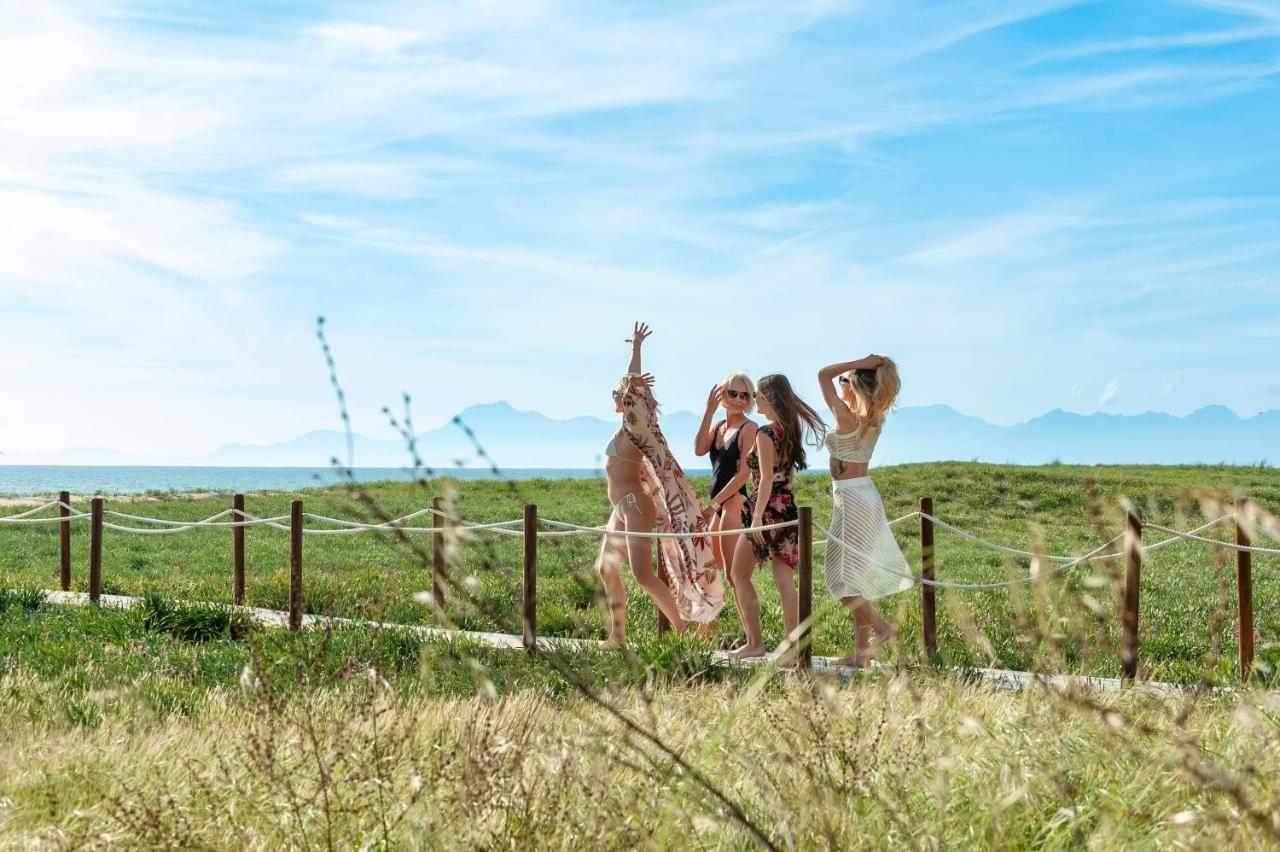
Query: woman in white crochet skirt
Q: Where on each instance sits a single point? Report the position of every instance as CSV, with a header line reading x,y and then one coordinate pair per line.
x,y
863,560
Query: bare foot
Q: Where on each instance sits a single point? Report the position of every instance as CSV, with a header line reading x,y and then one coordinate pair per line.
x,y
884,638
612,642
747,652
853,661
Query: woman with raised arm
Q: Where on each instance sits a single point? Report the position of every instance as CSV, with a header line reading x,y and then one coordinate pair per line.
x,y
777,455
863,561
646,487
725,440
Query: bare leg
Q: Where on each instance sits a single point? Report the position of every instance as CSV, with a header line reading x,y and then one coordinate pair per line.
x,y
718,549
639,518
784,579
730,519
744,594
870,632
612,551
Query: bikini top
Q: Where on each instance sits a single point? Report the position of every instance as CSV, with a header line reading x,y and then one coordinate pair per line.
x,y
854,447
612,450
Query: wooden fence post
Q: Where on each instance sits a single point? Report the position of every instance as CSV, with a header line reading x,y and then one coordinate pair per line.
x,y
237,549
95,550
804,577
530,611
64,541
295,565
928,599
437,555
1132,583
1244,593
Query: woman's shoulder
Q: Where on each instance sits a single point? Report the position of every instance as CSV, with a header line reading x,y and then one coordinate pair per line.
x,y
769,430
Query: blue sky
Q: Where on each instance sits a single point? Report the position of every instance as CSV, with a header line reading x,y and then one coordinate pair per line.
x,y
1030,205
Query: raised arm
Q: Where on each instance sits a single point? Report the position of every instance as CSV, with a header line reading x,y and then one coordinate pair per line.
x,y
636,340
706,433
846,420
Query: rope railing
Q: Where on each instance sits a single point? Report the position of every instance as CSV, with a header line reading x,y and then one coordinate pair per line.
x,y
25,517
1226,545
513,528
531,528
943,584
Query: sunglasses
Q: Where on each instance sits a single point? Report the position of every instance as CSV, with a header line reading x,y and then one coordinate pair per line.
x,y
733,394
844,380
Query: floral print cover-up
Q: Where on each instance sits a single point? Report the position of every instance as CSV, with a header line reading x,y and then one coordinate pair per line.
x,y
783,543
687,564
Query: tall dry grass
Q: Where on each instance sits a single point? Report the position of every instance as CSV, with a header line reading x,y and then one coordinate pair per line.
x,y
926,763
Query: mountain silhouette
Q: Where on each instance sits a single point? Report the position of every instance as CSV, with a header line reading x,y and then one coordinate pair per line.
x,y
528,439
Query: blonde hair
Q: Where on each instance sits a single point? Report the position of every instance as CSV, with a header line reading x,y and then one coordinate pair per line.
x,y
874,393
751,388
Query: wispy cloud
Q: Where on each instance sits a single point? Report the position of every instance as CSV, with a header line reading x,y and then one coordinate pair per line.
x,y
1109,393
988,181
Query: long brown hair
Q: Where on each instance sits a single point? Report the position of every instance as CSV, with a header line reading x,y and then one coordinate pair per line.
x,y
794,415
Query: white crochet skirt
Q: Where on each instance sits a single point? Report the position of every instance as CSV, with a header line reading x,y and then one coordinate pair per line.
x,y
866,561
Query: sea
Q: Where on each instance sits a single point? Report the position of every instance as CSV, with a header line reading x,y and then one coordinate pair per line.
x,y
22,480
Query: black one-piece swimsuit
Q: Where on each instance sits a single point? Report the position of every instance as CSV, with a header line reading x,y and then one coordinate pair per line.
x,y
724,464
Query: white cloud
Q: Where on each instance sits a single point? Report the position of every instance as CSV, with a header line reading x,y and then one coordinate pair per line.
x,y
170,197
1262,9
1171,382
371,38
1017,235
1109,393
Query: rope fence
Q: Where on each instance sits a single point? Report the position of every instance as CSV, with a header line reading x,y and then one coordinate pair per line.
x,y
530,528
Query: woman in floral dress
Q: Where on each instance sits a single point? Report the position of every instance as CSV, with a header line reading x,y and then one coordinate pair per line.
x,y
778,454
647,487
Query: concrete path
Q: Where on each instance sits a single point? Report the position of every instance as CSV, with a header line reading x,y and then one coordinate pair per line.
x,y
1000,678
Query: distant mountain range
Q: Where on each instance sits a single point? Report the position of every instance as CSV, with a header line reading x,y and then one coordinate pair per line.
x,y
527,439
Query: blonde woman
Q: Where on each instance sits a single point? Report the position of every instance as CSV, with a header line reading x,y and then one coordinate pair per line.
x,y
863,562
729,442
647,487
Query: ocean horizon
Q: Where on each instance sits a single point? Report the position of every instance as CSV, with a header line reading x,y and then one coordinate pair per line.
x,y
30,480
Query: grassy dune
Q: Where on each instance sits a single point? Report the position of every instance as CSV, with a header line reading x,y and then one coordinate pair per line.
x,y
170,725
1188,627
118,732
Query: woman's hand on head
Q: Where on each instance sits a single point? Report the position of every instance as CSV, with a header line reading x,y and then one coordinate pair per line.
x,y
639,334
715,397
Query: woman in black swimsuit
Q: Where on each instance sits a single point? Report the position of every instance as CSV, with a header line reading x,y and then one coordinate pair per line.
x,y
724,440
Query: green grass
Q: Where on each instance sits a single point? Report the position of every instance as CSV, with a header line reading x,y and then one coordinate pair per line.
x,y
181,723
1188,622
119,733
82,664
